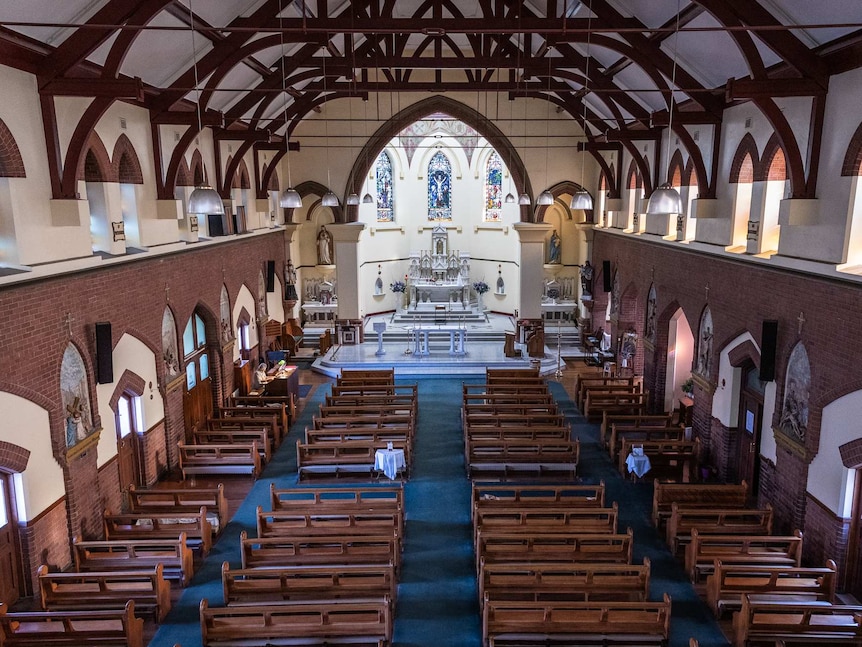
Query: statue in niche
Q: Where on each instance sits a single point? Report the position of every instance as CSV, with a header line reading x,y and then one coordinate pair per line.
x,y
586,279
170,352
290,282
650,327
224,310
76,399
794,413
704,347
554,248
324,247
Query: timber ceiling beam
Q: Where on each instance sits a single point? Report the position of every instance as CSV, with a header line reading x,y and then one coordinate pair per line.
x,y
747,89
113,88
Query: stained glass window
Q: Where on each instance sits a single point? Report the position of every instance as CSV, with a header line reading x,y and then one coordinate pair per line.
x,y
385,195
439,188
493,188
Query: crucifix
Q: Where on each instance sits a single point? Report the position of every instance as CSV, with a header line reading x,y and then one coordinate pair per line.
x,y
801,320
167,292
707,291
68,321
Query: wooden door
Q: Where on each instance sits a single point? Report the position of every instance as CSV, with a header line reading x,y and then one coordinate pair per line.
x,y
748,429
10,580
197,406
127,443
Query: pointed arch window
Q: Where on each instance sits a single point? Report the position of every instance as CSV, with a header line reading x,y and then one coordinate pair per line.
x,y
439,188
493,188
385,188
194,349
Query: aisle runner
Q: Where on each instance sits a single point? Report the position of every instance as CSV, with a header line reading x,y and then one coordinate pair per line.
x,y
437,593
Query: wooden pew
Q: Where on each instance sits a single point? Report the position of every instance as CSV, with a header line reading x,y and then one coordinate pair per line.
x,y
338,499
274,420
323,622
605,385
728,583
599,402
363,434
504,390
364,373
673,460
287,523
73,628
380,399
518,457
270,585
177,500
518,408
284,406
575,623
586,381
717,521
512,372
745,550
236,437
133,526
393,389
632,420
493,495
174,556
376,410
642,434
347,421
695,495
260,552
534,434
526,519
149,590
504,419
240,423
339,459
233,458
577,547
762,621
553,580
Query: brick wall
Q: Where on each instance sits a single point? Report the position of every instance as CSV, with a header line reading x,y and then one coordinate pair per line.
x,y
45,540
741,295
132,297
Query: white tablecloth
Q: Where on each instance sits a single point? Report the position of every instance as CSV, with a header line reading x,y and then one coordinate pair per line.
x,y
389,461
640,465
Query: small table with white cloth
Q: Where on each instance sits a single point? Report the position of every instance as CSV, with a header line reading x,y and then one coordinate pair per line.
x,y
389,461
637,462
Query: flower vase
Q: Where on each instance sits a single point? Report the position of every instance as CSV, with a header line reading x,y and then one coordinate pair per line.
x,y
479,302
406,299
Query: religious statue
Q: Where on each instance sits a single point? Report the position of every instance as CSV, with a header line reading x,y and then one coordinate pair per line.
x,y
586,278
324,247
554,248
75,429
704,356
290,282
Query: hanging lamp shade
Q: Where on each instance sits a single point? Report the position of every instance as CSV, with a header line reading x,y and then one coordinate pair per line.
x,y
664,200
290,199
204,200
582,200
329,199
524,199
368,199
545,198
510,198
353,199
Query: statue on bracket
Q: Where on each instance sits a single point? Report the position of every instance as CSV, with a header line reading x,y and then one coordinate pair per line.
x,y
704,347
554,248
324,247
586,279
290,282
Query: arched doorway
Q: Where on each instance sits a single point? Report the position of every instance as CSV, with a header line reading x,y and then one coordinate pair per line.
x,y
751,396
680,352
198,396
10,578
129,427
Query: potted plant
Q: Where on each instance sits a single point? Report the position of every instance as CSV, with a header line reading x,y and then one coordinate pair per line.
x,y
687,388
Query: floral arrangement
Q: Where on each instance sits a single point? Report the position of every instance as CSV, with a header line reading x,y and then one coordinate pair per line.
x,y
687,387
481,287
398,286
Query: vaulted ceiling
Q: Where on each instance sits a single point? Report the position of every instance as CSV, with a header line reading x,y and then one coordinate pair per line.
x,y
619,64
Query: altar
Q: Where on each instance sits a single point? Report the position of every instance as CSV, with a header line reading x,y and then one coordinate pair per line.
x,y
457,340
439,275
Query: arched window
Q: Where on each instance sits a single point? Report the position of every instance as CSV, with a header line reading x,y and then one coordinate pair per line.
x,y
743,171
194,351
385,190
439,188
775,167
493,188
852,168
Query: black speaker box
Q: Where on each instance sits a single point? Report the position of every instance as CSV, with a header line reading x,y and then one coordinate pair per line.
x,y
768,344
606,276
270,276
104,353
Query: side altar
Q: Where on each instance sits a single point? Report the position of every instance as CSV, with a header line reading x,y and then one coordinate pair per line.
x,y
439,275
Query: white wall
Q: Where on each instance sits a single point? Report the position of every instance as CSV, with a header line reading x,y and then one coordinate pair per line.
x,y
245,299
26,425
827,476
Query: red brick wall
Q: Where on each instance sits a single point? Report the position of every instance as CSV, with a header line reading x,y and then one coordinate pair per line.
x,y
741,295
132,297
45,540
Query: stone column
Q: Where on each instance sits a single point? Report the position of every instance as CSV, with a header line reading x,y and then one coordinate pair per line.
x,y
532,259
346,240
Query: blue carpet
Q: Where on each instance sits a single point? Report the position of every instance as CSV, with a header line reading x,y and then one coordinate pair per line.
x,y
304,390
437,592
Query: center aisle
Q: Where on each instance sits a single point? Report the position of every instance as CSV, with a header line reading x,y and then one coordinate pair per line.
x,y
437,598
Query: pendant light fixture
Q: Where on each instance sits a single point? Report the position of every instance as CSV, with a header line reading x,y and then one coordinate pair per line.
x,y
665,200
524,199
546,198
352,198
204,200
290,198
582,199
368,198
329,198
